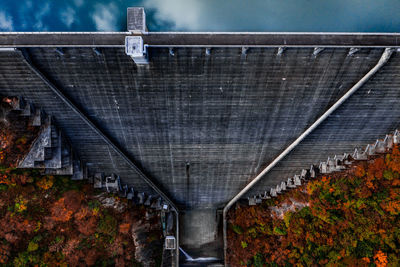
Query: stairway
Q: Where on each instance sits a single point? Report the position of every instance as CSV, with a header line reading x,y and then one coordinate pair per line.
x,y
334,164
52,153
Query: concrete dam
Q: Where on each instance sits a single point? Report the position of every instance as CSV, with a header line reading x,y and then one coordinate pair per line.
x,y
195,117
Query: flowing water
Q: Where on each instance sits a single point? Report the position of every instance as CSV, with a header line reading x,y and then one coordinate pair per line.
x,y
201,259
203,15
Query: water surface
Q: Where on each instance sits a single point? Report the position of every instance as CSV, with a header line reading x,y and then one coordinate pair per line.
x,y
203,15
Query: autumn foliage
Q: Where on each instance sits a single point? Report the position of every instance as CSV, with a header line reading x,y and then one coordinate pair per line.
x,y
350,218
53,221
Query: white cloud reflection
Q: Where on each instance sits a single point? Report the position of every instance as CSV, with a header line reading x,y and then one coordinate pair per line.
x,y
185,14
78,3
105,18
68,16
273,15
6,22
39,25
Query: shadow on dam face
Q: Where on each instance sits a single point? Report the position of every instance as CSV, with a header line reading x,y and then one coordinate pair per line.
x,y
201,237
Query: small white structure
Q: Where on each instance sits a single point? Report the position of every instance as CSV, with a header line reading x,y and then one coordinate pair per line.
x,y
98,180
136,20
135,48
113,184
170,242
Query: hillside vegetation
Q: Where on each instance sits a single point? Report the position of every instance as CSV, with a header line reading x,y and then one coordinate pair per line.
x,y
53,221
348,218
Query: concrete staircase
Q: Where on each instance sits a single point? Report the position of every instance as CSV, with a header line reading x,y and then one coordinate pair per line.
x,y
332,164
52,153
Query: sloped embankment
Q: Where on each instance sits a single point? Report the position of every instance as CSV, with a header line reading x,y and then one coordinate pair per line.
x,y
348,218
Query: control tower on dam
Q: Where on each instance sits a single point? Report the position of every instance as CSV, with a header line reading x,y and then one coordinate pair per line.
x,y
196,117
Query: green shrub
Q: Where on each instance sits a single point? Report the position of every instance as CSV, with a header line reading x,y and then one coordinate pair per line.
x,y
32,246
258,260
279,231
237,229
107,225
388,175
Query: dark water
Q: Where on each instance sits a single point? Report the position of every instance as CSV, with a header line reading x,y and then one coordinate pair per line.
x,y
203,15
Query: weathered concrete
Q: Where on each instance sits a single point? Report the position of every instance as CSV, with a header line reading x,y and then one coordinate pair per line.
x,y
369,114
203,123
224,114
207,39
200,233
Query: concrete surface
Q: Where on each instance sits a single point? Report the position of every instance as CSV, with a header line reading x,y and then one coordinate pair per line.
x,y
170,39
199,229
226,115
202,126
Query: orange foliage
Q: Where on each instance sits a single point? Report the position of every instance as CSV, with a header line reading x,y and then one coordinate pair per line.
x,y
72,200
394,162
39,227
82,213
45,182
380,259
4,179
350,214
59,212
70,246
396,182
364,191
391,206
359,171
366,260
376,168
124,228
369,184
88,226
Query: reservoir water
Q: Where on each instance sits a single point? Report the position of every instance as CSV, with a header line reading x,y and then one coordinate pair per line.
x,y
203,15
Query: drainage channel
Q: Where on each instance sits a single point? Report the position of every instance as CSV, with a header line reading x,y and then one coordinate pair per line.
x,y
200,262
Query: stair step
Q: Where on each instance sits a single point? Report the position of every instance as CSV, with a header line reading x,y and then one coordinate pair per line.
x,y
53,148
140,197
338,163
55,133
28,110
55,161
66,153
79,170
62,171
38,118
148,201
52,153
158,204
98,180
66,162
131,194
36,154
124,191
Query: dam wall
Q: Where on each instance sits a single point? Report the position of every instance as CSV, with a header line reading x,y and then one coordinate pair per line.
x,y
202,126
